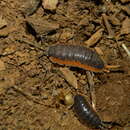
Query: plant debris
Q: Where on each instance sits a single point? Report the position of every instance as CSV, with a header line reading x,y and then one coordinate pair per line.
x,y
50,4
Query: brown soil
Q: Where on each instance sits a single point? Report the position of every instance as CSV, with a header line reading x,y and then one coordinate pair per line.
x,y
31,86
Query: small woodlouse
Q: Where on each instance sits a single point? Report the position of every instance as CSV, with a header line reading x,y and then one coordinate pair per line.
x,y
85,112
88,116
76,56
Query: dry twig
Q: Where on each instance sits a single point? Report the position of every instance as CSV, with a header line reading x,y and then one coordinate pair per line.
x,y
126,50
92,89
108,26
94,38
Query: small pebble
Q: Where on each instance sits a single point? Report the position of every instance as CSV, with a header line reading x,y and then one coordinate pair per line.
x,y
69,100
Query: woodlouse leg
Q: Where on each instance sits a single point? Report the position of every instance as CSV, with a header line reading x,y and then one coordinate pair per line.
x,y
108,125
90,76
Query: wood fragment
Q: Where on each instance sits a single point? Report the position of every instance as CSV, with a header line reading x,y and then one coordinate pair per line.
x,y
99,50
126,50
108,26
34,44
6,31
91,88
114,20
3,22
69,77
2,65
125,29
125,9
41,26
94,38
50,4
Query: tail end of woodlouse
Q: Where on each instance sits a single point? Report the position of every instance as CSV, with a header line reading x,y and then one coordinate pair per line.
x,y
108,125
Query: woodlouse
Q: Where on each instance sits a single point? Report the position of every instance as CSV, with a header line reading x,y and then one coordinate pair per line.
x,y
88,116
77,56
85,112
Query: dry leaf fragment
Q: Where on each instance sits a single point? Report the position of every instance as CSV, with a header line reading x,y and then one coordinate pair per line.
x,y
110,31
94,38
99,50
126,9
6,31
3,22
4,84
30,6
2,65
69,77
50,4
114,20
125,26
41,26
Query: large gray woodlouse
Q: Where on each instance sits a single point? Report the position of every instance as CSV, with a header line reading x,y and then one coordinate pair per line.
x,y
77,56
